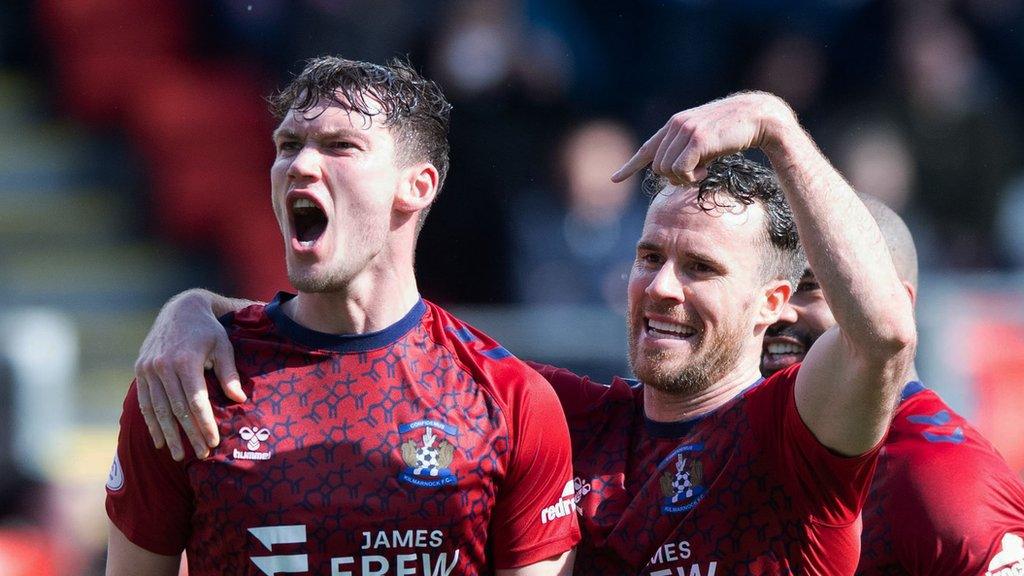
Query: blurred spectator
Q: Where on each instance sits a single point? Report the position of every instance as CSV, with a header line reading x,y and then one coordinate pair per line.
x,y
792,67
1010,225
874,156
577,247
964,139
478,46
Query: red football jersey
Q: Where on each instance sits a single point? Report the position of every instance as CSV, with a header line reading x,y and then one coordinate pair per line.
x,y
746,489
425,448
943,501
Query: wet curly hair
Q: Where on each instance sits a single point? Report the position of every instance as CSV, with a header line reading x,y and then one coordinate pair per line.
x,y
736,178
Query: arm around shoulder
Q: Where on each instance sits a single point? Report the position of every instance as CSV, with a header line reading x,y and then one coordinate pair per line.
x,y
186,338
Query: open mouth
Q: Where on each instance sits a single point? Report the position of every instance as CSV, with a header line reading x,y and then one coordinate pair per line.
x,y
785,349
669,329
780,354
308,221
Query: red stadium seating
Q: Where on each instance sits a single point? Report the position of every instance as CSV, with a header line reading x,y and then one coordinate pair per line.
x,y
201,126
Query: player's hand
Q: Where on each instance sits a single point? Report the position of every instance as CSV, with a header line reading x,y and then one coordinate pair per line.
x,y
693,138
185,339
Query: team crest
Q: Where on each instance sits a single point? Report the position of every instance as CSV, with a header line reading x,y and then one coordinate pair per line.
x,y
682,483
427,456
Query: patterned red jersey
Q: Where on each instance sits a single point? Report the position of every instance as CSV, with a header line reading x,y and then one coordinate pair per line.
x,y
746,489
425,448
943,501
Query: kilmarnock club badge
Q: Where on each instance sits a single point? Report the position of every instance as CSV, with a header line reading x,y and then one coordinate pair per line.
x,y
428,456
682,483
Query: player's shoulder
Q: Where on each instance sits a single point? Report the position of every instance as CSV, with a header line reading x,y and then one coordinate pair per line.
x,y
944,473
491,365
581,395
773,392
926,428
252,320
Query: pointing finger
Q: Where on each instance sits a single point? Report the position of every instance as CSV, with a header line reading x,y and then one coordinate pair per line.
x,y
642,158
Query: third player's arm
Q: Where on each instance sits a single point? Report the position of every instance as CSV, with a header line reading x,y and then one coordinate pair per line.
x,y
847,387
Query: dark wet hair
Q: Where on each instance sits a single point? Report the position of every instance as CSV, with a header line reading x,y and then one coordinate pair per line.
x,y
413,107
743,180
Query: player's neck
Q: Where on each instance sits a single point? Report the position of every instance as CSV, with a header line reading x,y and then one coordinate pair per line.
x,y
367,305
666,407
912,375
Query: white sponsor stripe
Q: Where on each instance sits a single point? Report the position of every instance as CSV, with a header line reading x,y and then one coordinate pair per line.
x,y
271,565
270,535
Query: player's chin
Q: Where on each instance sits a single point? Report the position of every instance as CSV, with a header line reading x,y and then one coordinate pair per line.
x,y
310,278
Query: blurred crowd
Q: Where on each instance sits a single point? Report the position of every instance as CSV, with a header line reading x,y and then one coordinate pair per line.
x,y
917,101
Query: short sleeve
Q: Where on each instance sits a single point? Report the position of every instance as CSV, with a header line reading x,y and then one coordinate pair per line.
x,y
148,494
832,488
535,515
827,489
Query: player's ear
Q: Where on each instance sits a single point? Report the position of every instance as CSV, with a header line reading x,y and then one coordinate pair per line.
x,y
776,295
911,291
418,187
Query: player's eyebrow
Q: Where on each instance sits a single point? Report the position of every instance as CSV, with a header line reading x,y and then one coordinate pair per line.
x,y
694,255
327,134
644,245
284,134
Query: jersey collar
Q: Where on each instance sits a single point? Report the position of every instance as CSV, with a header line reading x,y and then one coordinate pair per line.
x,y
343,343
681,428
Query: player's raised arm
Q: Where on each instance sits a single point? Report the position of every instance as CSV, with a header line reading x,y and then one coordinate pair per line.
x,y
186,338
847,388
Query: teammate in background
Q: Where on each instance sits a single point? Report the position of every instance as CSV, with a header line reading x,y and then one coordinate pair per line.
x,y
381,434
703,468
943,501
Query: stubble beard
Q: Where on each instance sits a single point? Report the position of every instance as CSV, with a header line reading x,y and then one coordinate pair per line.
x,y
711,360
306,280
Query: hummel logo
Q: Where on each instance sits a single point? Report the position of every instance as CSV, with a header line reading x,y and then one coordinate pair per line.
x,y
253,437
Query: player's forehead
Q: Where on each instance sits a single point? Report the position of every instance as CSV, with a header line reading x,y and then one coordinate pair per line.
x,y
676,214
329,116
